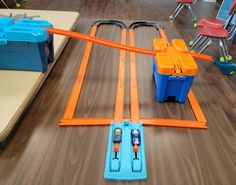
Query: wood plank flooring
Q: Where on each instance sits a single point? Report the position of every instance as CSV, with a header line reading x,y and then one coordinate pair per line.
x,y
43,153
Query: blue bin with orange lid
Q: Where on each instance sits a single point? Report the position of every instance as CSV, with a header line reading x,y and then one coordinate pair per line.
x,y
173,69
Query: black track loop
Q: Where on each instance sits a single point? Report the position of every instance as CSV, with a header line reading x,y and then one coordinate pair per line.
x,y
115,22
144,23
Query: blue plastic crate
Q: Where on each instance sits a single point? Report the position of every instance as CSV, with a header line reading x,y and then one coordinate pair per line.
x,y
171,86
25,45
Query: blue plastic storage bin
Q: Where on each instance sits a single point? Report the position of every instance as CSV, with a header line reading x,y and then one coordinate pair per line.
x,y
173,69
25,45
171,86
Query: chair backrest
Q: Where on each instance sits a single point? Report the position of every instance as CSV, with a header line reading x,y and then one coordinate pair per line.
x,y
232,7
225,10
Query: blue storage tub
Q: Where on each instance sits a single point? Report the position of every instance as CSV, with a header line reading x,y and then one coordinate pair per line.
x,y
25,45
168,86
173,70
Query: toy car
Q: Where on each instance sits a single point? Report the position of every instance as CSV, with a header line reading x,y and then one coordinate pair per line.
x,y
135,136
117,136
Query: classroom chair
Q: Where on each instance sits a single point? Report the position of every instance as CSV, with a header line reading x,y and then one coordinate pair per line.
x,y
180,6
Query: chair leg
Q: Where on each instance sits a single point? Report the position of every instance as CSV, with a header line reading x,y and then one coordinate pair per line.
x,y
176,12
206,46
177,8
232,33
225,47
17,4
194,19
233,37
200,42
223,50
5,4
195,41
231,29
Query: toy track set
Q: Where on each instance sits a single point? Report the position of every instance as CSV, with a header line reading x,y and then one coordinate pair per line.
x,y
68,117
174,69
125,158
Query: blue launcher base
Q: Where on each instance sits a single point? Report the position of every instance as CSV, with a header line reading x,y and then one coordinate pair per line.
x,y
125,165
226,67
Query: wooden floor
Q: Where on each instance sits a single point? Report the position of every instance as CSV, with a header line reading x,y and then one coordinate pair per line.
x,y
43,153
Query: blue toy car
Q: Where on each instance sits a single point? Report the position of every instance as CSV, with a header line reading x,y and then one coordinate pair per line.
x,y
135,136
117,135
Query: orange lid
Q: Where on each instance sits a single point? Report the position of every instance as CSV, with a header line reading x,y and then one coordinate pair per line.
x,y
188,65
159,44
172,61
165,65
179,45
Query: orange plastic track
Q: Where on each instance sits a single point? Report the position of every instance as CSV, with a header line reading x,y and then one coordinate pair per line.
x,y
85,121
68,119
70,109
163,36
145,122
119,106
200,121
117,45
173,123
196,107
134,101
